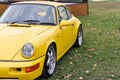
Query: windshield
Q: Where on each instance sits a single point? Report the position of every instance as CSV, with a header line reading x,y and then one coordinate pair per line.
x,y
29,14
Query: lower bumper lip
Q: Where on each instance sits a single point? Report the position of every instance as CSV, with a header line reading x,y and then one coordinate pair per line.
x,y
28,70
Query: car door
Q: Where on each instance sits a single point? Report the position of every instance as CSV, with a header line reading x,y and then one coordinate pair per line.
x,y
66,33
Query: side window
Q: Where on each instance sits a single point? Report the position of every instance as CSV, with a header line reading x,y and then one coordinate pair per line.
x,y
62,13
69,14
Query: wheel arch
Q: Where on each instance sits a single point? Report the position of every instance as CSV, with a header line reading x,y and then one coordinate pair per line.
x,y
80,25
55,46
47,47
51,42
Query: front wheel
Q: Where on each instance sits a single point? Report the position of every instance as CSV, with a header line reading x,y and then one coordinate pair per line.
x,y
79,39
50,62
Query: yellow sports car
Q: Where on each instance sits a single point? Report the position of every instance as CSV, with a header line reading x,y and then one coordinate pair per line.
x,y
34,35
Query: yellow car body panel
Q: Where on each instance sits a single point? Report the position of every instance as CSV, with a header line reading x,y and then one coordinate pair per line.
x,y
8,70
13,63
14,36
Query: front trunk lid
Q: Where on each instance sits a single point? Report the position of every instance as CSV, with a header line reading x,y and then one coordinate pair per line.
x,y
13,38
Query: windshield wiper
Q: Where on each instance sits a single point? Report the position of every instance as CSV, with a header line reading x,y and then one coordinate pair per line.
x,y
10,22
31,21
14,22
47,23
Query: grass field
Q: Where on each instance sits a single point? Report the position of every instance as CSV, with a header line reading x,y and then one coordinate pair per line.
x,y
99,57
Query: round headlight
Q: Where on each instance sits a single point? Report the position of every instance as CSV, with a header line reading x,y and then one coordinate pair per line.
x,y
28,50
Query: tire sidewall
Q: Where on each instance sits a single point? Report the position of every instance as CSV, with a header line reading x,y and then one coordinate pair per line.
x,y
81,31
76,44
45,70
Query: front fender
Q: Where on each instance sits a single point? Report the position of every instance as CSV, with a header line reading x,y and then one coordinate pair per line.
x,y
40,43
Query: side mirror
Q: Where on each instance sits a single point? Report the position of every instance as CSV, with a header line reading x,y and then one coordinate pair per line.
x,y
65,23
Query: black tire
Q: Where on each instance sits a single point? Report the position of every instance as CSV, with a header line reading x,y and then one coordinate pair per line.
x,y
79,39
50,62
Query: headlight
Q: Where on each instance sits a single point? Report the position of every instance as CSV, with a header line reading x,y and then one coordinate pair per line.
x,y
28,50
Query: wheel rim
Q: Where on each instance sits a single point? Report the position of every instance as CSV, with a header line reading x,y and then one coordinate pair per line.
x,y
51,62
80,37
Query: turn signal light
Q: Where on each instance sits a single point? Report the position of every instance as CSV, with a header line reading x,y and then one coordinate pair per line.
x,y
32,68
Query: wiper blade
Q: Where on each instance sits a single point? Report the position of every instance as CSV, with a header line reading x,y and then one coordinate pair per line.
x,y
20,25
31,21
47,23
10,22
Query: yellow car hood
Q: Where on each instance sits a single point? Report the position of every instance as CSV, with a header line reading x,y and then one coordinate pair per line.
x,y
13,38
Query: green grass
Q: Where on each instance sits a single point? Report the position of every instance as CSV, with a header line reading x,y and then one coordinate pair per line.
x,y
99,57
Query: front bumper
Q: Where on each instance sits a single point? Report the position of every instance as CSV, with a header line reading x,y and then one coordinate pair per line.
x,y
16,70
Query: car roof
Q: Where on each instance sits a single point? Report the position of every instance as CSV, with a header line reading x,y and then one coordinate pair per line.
x,y
40,2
